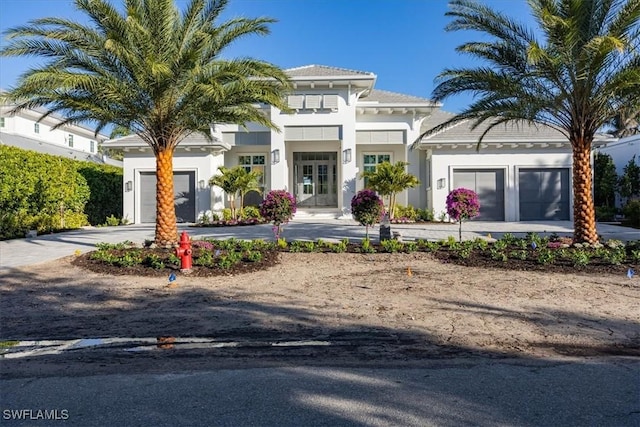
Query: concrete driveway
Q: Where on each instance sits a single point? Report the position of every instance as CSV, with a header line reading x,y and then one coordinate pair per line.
x,y
21,252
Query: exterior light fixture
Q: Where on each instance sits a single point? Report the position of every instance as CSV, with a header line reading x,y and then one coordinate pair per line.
x,y
275,156
128,186
441,183
202,184
346,155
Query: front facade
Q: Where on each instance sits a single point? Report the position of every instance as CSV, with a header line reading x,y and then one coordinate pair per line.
x,y
339,126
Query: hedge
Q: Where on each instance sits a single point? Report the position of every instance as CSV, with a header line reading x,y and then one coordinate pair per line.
x,y
48,193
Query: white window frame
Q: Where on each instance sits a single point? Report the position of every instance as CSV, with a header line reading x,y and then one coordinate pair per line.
x,y
1,122
70,140
250,166
36,128
377,154
92,146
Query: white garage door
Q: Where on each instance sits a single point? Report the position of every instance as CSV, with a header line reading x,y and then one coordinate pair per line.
x,y
184,186
489,185
544,194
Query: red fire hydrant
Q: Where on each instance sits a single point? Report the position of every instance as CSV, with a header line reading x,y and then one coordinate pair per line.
x,y
184,252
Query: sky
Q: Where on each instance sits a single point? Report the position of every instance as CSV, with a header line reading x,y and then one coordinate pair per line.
x,y
403,42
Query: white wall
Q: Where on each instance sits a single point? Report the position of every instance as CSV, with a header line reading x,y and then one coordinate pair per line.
x,y
622,151
444,162
23,124
204,165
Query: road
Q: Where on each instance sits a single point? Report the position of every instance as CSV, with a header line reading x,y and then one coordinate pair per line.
x,y
457,392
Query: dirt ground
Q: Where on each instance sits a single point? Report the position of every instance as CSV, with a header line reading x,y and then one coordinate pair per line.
x,y
369,307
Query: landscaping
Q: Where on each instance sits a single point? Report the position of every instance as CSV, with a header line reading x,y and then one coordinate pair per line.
x,y
232,256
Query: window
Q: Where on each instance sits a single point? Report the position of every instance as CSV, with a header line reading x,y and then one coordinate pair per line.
x,y
371,161
70,140
92,146
36,128
1,122
254,163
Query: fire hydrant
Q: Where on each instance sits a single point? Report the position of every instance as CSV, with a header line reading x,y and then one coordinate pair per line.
x,y
184,252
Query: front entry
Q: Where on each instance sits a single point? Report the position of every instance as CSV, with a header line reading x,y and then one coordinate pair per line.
x,y
316,179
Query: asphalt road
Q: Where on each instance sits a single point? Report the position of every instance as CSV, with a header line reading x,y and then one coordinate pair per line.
x,y
441,393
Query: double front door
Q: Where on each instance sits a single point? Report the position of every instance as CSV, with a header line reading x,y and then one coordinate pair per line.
x,y
316,179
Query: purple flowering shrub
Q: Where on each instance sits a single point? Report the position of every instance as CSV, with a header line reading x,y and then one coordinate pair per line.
x,y
278,207
367,208
462,204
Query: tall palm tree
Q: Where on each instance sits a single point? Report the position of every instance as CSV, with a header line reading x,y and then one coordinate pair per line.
x,y
151,69
573,78
390,179
626,122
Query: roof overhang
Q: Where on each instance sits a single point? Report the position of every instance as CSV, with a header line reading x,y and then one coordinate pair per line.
x,y
133,143
498,145
364,82
388,108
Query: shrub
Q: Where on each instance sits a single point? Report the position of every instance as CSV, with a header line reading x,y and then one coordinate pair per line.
x,y
407,212
366,247
425,215
278,207
226,214
366,208
606,213
250,212
391,245
632,212
462,204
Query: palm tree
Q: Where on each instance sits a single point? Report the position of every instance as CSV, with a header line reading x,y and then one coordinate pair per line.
x,y
626,122
388,180
247,181
228,181
151,69
572,80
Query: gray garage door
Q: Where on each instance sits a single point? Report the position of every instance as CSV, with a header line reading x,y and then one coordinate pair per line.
x,y
184,186
489,185
544,194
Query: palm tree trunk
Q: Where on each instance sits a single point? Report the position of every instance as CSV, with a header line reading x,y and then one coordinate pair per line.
x,y
584,217
166,227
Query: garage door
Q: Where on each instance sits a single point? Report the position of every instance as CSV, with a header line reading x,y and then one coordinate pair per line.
x,y
489,185
544,194
184,185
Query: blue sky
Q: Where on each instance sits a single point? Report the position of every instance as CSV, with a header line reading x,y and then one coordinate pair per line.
x,y
402,41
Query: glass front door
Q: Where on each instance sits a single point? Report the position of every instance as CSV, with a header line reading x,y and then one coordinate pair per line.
x,y
316,179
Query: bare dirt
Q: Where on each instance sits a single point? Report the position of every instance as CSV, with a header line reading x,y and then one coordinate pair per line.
x,y
380,308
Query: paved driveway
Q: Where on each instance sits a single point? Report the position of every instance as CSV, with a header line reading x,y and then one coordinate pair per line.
x,y
20,252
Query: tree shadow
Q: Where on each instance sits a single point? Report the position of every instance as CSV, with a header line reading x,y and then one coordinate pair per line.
x,y
323,381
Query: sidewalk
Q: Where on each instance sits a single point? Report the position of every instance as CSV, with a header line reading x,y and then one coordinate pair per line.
x,y
21,252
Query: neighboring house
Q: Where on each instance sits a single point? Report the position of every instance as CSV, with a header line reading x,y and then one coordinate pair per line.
x,y
341,126
23,130
621,151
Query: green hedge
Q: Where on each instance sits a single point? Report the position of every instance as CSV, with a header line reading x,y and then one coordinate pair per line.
x,y
47,193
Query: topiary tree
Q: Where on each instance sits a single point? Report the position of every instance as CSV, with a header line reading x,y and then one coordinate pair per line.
x,y
462,204
367,208
278,207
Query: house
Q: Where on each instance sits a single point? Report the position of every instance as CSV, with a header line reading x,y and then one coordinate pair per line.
x,y
24,130
341,125
621,151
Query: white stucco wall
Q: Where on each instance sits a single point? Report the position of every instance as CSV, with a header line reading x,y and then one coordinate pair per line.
x,y
443,163
622,151
23,124
203,164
